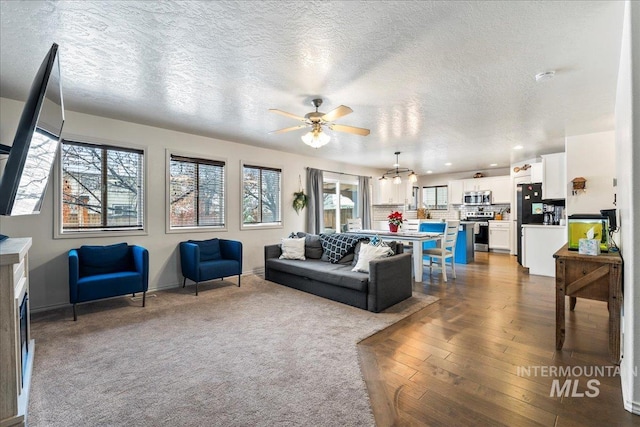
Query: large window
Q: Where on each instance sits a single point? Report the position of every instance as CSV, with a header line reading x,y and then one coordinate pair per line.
x,y
435,198
340,198
196,192
261,195
102,187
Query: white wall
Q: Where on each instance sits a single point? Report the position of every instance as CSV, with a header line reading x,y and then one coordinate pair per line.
x,y
628,173
592,156
48,256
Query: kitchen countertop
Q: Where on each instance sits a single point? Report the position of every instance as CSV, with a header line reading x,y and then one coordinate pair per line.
x,y
543,226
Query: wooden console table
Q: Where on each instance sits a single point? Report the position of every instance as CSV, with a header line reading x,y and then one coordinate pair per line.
x,y
592,277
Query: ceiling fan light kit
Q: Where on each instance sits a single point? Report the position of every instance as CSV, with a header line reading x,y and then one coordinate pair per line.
x,y
395,173
316,137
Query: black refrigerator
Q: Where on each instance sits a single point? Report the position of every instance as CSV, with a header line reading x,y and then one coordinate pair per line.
x,y
530,209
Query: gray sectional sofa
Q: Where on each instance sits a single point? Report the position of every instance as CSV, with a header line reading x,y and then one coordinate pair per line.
x,y
387,283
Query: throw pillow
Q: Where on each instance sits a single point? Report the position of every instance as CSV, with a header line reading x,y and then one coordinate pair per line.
x,y
335,246
292,248
312,245
370,253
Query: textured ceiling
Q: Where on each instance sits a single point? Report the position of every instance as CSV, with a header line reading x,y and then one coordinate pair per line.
x,y
439,81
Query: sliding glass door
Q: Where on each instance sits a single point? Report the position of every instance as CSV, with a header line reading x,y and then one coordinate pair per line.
x,y
340,195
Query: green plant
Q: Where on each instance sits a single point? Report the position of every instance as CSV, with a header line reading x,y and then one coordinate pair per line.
x,y
300,201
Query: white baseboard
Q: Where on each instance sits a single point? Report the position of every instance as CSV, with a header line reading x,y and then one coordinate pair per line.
x,y
257,271
633,407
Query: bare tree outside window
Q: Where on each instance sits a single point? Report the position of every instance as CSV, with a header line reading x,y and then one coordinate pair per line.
x,y
261,197
197,192
102,187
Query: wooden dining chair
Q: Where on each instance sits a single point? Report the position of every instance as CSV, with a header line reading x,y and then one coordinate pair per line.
x,y
447,249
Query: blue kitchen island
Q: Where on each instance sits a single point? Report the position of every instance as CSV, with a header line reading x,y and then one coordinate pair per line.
x,y
464,244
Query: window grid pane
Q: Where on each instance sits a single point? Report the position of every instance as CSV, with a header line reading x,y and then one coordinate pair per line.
x,y
102,187
435,198
82,186
261,195
196,192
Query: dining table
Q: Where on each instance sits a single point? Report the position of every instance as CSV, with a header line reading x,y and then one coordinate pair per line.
x,y
417,238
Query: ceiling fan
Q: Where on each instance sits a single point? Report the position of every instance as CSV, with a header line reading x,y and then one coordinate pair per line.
x,y
316,120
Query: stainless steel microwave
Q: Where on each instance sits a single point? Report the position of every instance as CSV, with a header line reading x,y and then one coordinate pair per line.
x,y
475,198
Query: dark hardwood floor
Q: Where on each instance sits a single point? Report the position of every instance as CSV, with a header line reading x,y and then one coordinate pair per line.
x,y
460,361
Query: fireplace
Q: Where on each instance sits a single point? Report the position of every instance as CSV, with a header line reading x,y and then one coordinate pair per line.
x,y
17,347
24,337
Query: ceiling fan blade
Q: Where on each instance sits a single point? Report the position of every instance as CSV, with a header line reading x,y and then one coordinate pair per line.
x,y
350,129
336,113
288,129
284,113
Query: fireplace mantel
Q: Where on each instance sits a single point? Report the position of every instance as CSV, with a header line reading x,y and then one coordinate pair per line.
x,y
14,285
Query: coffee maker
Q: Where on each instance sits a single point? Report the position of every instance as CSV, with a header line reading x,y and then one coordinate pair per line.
x,y
548,211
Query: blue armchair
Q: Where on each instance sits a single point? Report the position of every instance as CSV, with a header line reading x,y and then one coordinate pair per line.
x,y
97,272
203,260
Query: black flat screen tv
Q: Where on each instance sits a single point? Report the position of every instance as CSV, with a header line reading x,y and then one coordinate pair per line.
x,y
28,168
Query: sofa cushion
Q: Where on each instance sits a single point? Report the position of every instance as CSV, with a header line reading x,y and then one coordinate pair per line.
x,y
108,285
312,245
334,274
104,259
292,248
209,249
218,268
335,246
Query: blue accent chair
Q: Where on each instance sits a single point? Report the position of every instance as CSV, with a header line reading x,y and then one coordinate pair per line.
x,y
203,260
97,272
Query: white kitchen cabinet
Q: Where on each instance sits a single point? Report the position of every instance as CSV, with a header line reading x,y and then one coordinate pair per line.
x,y
537,173
456,189
500,235
476,184
389,193
539,243
501,189
554,176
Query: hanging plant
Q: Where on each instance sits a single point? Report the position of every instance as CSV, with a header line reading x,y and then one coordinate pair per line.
x,y
300,199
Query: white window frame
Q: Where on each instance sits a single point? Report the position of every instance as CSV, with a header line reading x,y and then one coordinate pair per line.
x,y
262,225
435,189
340,179
58,232
197,228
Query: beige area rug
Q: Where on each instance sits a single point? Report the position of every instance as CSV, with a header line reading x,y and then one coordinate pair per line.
x,y
259,355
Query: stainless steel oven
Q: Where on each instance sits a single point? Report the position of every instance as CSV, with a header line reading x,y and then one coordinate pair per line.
x,y
481,229
481,239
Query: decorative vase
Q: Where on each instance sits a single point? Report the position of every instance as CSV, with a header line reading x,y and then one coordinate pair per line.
x,y
393,228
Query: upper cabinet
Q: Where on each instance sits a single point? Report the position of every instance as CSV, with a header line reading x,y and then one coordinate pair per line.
x,y
456,188
501,190
554,180
475,184
386,192
537,172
